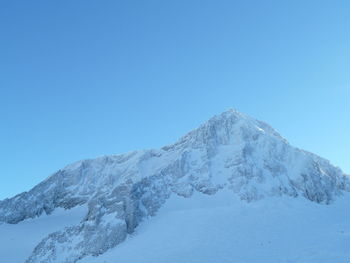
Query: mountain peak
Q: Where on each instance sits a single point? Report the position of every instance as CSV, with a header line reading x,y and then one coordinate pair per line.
x,y
231,152
229,127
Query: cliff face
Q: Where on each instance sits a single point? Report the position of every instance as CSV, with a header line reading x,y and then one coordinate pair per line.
x,y
231,152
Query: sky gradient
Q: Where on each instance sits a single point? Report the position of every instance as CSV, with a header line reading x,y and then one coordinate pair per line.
x,y
81,79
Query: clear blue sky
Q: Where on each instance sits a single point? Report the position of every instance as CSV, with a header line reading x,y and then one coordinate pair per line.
x,y
82,78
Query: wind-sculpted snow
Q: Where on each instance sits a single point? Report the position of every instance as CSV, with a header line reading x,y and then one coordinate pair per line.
x,y
231,151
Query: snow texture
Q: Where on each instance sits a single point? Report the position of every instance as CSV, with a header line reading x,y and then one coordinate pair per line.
x,y
231,153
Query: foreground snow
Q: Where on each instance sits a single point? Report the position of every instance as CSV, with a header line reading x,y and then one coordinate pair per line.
x,y
210,228
18,241
197,230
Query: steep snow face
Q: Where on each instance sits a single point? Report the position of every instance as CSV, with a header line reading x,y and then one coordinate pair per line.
x,y
231,152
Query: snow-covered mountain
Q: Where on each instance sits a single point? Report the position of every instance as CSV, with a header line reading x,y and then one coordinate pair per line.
x,y
231,161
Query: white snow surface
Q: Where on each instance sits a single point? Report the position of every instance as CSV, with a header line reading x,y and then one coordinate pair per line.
x,y
18,241
232,190
219,228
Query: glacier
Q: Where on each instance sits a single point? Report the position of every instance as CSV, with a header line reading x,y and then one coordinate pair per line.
x,y
231,164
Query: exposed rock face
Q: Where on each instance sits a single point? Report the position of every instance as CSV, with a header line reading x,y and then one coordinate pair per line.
x,y
231,151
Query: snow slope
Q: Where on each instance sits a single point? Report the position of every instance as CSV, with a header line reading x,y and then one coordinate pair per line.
x,y
18,241
205,229
232,154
